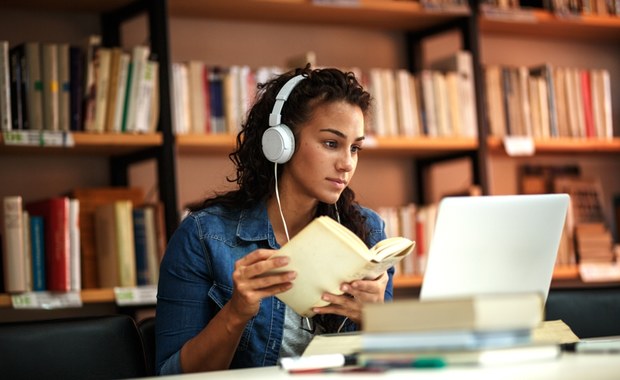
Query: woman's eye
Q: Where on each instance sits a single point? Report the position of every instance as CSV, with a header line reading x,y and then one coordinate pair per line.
x,y
331,144
356,149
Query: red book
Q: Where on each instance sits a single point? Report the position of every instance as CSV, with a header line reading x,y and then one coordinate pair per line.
x,y
55,213
587,103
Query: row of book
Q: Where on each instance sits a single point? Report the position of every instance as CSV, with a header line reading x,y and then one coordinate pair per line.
x,y
59,87
91,239
563,7
548,102
438,102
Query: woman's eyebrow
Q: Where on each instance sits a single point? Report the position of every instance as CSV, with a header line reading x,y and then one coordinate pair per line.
x,y
340,134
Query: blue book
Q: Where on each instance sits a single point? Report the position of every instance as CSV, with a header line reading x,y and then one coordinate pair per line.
x,y
37,243
139,234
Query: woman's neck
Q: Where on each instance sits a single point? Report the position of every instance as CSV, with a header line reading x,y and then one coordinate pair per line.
x,y
296,215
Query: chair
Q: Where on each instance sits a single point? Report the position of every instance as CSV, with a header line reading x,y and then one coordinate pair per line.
x,y
105,347
588,312
147,331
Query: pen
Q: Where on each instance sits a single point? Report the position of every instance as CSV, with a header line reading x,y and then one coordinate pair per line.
x,y
430,362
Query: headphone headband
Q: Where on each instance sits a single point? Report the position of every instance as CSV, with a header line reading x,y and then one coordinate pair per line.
x,y
275,118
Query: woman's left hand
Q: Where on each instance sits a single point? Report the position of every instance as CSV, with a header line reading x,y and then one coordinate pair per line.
x,y
356,293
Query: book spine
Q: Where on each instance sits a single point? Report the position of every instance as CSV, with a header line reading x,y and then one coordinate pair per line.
x,y
139,228
5,88
34,92
64,87
37,244
49,80
14,253
76,74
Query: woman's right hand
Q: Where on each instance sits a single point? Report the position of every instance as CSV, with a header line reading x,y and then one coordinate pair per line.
x,y
252,284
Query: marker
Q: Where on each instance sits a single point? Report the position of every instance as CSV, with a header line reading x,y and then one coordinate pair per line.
x,y
430,362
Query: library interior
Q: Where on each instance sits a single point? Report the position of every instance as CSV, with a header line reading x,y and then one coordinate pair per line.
x,y
117,116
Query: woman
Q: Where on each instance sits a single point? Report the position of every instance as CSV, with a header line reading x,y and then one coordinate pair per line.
x,y
216,307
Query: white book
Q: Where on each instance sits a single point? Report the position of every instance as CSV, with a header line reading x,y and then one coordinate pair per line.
x,y
607,109
197,96
404,103
139,58
462,63
533,94
14,253
144,100
5,88
181,107
526,118
442,111
543,98
389,103
27,249
454,104
74,245
375,87
416,103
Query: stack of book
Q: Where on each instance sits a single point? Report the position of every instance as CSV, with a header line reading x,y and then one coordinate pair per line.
x,y
479,330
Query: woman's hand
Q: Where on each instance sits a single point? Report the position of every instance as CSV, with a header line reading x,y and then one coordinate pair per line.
x,y
356,293
252,284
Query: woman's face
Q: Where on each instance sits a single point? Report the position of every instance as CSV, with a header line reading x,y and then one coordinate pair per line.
x,y
326,152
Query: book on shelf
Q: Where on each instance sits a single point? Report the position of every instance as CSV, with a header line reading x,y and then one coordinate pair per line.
x,y
145,238
327,247
64,87
14,259
115,246
55,213
49,81
76,87
461,64
37,246
477,313
90,199
5,88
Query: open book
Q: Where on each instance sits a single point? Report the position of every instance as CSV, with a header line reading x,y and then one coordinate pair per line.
x,y
326,254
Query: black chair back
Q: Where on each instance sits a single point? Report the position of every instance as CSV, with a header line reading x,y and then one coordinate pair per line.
x,y
147,331
107,347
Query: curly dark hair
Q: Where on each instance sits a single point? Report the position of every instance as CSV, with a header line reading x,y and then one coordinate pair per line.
x,y
255,174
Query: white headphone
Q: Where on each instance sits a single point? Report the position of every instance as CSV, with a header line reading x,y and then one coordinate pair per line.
x,y
278,140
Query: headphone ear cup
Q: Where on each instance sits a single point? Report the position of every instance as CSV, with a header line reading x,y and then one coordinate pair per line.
x,y
278,143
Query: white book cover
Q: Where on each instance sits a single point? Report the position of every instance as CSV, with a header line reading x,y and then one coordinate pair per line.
x,y
14,253
404,103
389,103
375,89
607,109
144,101
74,245
139,58
197,96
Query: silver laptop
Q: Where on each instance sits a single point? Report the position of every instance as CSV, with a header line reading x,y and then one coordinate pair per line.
x,y
494,244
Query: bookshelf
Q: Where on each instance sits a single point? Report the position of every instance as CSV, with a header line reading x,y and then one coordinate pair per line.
x,y
405,22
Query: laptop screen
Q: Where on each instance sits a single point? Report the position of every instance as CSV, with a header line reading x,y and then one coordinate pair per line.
x,y
494,244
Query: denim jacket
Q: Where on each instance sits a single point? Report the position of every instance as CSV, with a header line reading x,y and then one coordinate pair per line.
x,y
195,282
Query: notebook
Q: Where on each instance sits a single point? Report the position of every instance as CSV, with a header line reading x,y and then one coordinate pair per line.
x,y
494,244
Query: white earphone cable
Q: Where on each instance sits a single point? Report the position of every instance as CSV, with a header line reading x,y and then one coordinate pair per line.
x,y
275,168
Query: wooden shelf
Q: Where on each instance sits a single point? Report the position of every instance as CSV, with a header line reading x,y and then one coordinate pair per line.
x,y
93,143
386,14
565,145
405,146
92,6
88,296
565,273
543,24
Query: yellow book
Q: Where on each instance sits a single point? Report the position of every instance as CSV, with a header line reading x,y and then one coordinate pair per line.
x,y
326,254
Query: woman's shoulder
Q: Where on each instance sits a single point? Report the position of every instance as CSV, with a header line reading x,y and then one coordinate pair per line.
x,y
212,218
373,219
